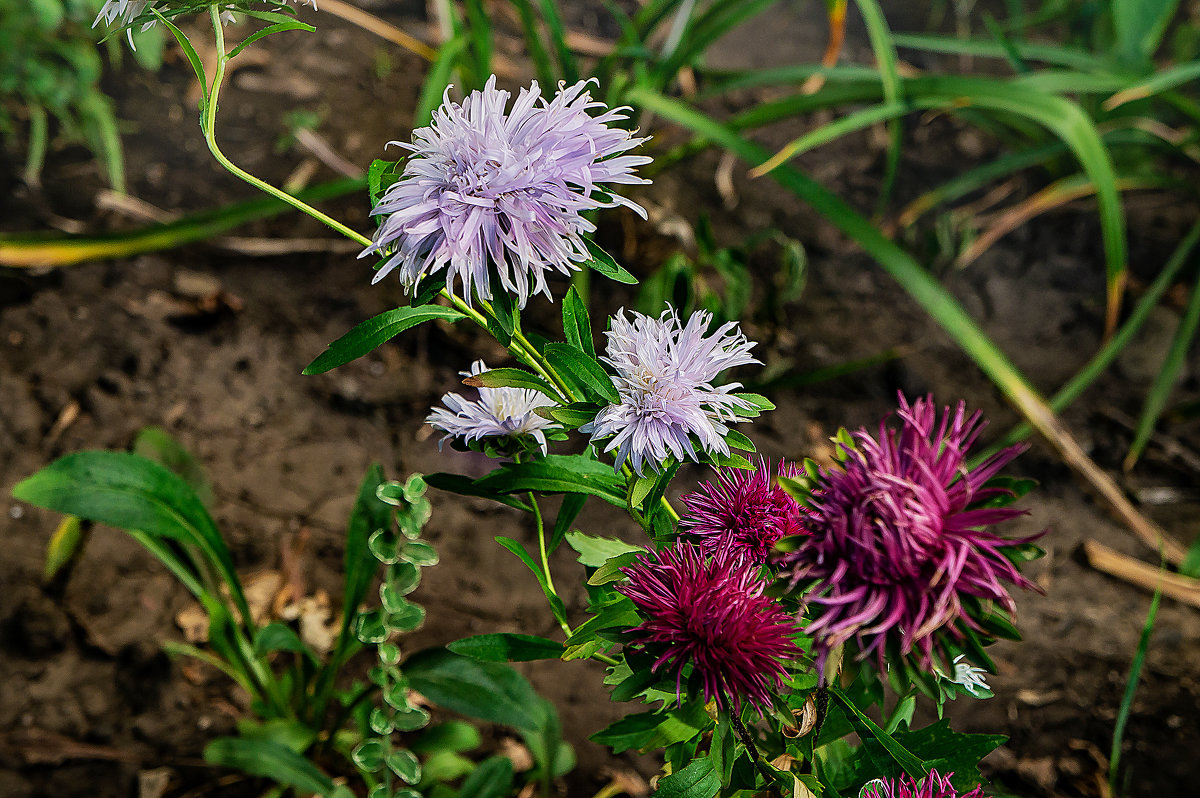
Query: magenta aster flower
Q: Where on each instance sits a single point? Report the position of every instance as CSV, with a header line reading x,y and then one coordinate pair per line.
x,y
664,374
743,509
490,187
897,539
709,611
497,413
932,786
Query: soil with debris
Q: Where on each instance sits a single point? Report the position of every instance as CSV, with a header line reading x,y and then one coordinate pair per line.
x,y
208,342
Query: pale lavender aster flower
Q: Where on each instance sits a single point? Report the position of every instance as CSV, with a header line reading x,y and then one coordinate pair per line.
x,y
490,187
898,549
497,413
934,785
664,373
707,610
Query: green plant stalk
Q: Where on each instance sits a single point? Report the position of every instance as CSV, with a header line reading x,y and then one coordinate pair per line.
x,y
1074,387
1135,672
41,251
1164,381
543,557
35,159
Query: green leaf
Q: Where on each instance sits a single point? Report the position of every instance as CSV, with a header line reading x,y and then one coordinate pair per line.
x,y
188,50
506,647
465,486
552,755
568,511
155,444
571,416
375,332
1140,25
271,760
582,372
603,262
381,175
492,779
697,780
869,730
405,765
453,735
577,324
512,378
277,636
278,27
485,690
557,474
595,551
556,604
611,570
368,755
129,492
285,731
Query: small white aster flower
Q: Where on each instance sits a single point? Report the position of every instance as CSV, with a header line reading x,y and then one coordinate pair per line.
x,y
123,11
664,376
487,186
969,677
497,413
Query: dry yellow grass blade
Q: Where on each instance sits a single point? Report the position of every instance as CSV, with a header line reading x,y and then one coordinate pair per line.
x,y
1135,572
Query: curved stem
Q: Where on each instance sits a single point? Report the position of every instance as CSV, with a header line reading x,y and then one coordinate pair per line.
x,y
209,128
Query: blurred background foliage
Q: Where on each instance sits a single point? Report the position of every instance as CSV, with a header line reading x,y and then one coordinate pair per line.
x,y
51,60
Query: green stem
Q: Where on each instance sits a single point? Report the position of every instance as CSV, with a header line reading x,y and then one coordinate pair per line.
x,y
209,128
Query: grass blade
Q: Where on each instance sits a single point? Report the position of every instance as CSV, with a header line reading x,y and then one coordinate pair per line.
x,y
1074,387
1164,381
934,299
893,92
1135,673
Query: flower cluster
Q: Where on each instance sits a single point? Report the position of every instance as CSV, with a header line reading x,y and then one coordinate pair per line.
x,y
708,610
934,785
489,191
897,538
744,509
497,413
664,375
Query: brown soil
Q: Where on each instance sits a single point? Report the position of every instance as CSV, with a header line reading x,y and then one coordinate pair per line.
x,y
93,353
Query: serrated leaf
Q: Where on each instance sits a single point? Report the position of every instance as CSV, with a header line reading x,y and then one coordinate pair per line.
x,y
375,332
611,570
594,551
698,780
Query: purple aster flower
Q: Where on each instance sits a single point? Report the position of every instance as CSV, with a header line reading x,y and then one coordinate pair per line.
x,y
488,187
709,611
897,539
744,509
932,786
497,413
664,376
